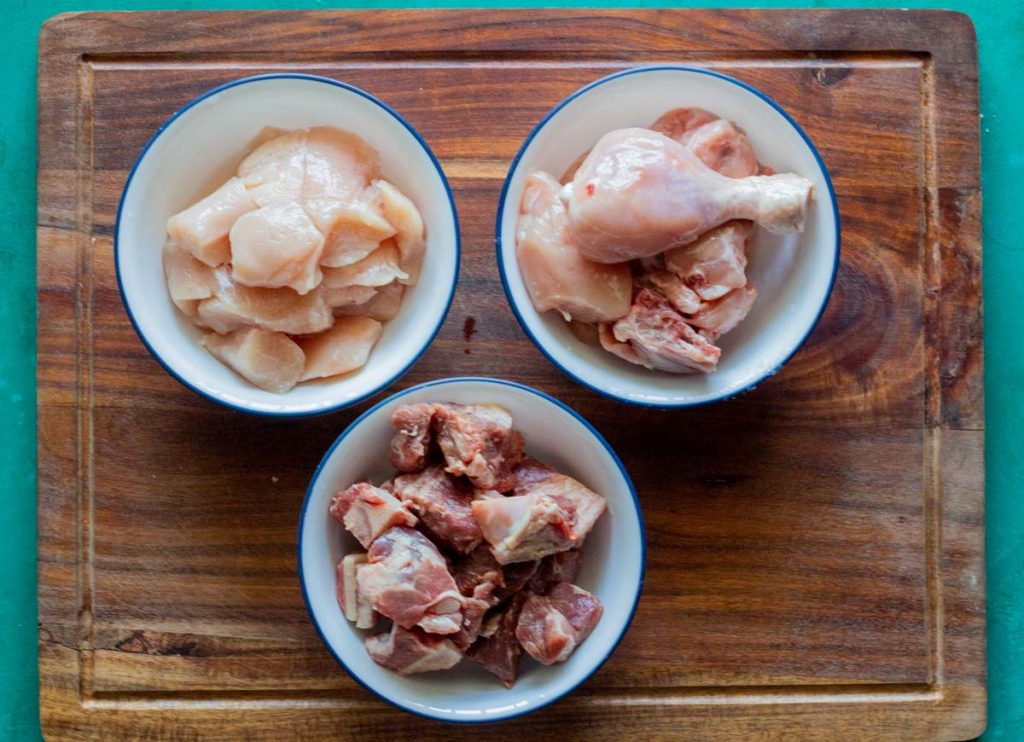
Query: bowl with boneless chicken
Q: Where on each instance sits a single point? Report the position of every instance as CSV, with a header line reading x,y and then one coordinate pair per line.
x,y
286,245
471,550
668,236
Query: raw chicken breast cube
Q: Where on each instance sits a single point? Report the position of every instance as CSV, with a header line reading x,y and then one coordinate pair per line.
x,y
189,281
379,268
234,307
354,604
442,504
478,441
338,164
343,348
551,627
274,171
408,581
382,306
410,232
549,513
367,512
659,338
352,229
715,263
410,444
554,272
270,360
275,246
408,652
202,229
349,297
498,649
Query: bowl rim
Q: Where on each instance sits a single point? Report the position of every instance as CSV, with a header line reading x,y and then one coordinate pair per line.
x,y
377,388
499,247
351,428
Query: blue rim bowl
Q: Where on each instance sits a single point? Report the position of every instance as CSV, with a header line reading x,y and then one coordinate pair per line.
x,y
552,336
326,397
467,694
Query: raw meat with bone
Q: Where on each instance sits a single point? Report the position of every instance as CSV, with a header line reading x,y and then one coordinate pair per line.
x,y
478,441
410,651
367,512
442,503
551,627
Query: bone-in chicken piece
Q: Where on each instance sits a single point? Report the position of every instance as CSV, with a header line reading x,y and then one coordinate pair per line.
x,y
715,263
556,275
352,229
722,315
410,232
270,360
189,281
379,268
442,504
718,143
354,604
478,441
410,651
234,307
639,193
275,246
682,298
343,348
551,627
408,581
367,512
498,649
659,338
550,513
410,444
202,229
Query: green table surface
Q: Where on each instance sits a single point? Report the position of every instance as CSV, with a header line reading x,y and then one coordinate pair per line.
x,y
1000,27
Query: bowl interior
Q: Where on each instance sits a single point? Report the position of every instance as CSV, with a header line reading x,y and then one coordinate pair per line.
x,y
612,565
201,148
793,273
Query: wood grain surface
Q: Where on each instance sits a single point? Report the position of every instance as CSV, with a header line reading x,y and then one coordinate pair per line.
x,y
815,564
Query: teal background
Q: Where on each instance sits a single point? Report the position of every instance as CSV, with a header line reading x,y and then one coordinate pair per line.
x,y
1000,27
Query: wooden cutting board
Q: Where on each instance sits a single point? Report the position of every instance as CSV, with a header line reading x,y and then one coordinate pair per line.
x,y
815,564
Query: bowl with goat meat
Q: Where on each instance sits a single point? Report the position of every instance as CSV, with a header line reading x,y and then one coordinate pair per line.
x,y
471,550
668,236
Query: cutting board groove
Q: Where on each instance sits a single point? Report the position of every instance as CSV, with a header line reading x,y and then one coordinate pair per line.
x,y
815,562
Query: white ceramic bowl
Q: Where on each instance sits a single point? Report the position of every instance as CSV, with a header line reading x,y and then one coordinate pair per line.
x,y
793,273
198,148
613,561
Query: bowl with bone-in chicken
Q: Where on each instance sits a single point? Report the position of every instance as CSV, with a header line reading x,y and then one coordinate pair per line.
x,y
668,236
471,550
286,245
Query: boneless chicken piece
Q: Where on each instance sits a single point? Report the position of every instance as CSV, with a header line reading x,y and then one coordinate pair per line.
x,y
410,232
659,338
408,581
189,281
478,441
367,512
202,229
379,268
382,306
556,275
638,193
497,647
343,348
338,164
442,504
553,513
275,170
715,263
354,604
352,229
410,444
276,246
722,315
551,627
410,651
270,360
348,297
234,307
